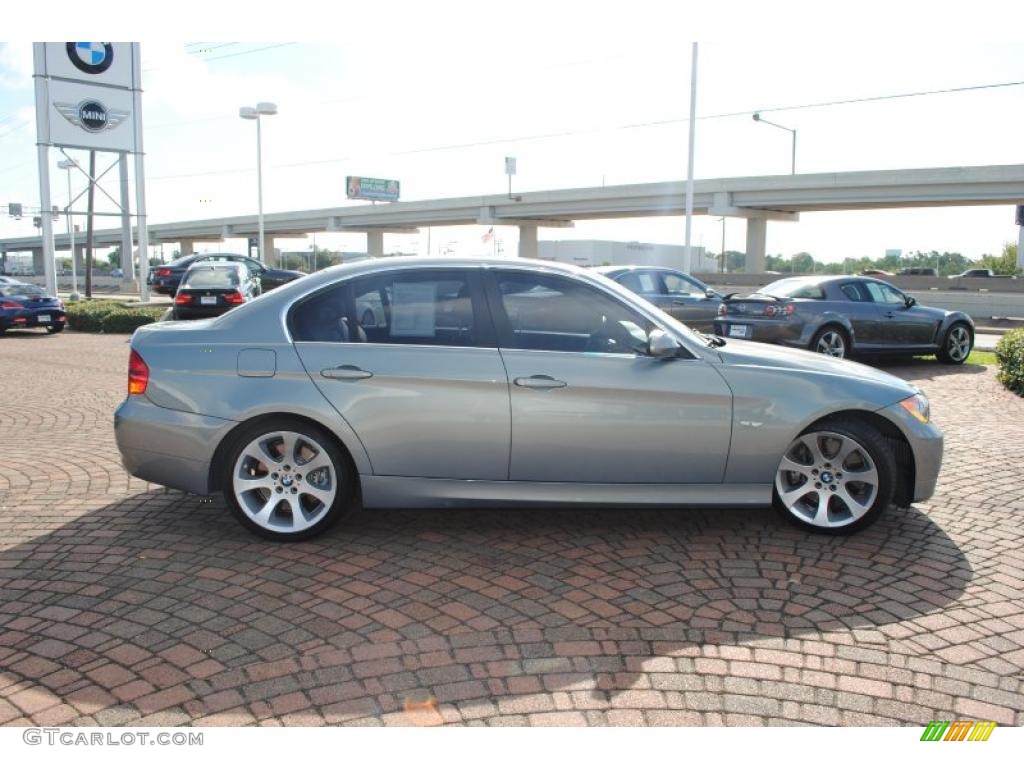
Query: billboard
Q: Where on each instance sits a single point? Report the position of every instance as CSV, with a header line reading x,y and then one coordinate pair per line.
x,y
365,188
87,95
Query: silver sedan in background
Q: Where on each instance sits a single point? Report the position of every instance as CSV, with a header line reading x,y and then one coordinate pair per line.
x,y
512,383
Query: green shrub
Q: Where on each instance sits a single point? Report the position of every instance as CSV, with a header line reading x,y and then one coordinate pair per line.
x,y
1010,356
88,315
127,320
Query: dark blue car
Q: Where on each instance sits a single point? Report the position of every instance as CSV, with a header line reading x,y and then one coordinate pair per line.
x,y
28,306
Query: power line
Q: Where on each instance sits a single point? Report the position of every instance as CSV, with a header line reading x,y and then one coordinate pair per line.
x,y
246,53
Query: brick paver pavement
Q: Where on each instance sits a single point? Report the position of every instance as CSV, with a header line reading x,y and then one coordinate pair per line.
x,y
122,603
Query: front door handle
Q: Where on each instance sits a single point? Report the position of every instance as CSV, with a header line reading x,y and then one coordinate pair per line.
x,y
539,382
345,373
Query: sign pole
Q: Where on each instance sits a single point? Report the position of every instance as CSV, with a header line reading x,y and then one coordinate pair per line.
x,y
687,258
126,216
140,177
46,220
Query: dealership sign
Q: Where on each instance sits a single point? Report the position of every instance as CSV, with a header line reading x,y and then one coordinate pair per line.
x,y
364,188
87,95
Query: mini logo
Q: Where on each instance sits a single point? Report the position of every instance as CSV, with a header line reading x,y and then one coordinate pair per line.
x,y
91,115
958,730
91,58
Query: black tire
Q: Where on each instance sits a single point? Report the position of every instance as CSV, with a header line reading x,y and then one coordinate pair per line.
x,y
344,484
881,459
840,333
951,352
55,328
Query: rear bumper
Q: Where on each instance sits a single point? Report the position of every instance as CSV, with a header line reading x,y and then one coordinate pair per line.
x,y
926,443
30,319
195,313
763,329
167,447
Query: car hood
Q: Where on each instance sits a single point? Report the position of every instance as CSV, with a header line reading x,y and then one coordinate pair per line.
x,y
803,362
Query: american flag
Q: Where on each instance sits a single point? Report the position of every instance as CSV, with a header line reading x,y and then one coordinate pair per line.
x,y
490,234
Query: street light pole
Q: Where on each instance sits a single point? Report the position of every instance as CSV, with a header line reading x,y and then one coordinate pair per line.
x,y
254,113
758,119
67,165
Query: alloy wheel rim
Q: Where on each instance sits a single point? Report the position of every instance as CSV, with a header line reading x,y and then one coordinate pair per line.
x,y
827,480
959,344
284,481
831,343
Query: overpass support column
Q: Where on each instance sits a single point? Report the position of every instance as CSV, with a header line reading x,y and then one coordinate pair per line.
x,y
375,243
270,258
757,233
528,241
185,247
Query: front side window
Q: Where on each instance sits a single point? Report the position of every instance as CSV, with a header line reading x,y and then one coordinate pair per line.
x,y
557,314
677,285
885,294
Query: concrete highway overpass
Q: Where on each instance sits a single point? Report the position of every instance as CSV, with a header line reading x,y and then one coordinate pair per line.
x,y
757,199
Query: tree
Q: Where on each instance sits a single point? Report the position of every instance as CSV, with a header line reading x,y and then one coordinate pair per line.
x,y
1003,264
114,257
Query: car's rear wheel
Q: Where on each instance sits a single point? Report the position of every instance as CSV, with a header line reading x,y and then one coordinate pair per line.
x,y
286,479
956,346
837,477
832,341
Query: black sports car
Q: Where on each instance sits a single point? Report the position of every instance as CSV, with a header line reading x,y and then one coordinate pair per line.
x,y
843,315
165,279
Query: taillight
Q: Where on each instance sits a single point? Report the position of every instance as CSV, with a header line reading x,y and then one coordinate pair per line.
x,y
234,297
722,310
183,298
11,305
138,374
163,273
780,309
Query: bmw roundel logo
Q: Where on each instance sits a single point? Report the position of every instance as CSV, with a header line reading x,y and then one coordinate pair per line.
x,y
93,115
91,58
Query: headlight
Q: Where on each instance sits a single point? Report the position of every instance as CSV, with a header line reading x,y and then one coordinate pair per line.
x,y
917,406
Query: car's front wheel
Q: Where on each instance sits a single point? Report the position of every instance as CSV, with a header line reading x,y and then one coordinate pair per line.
x,y
837,477
956,346
286,479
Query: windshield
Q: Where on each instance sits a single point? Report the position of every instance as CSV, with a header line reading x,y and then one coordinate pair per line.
x,y
21,290
793,288
211,278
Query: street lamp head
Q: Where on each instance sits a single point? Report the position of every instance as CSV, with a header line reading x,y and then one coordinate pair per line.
x,y
66,165
266,108
757,116
248,113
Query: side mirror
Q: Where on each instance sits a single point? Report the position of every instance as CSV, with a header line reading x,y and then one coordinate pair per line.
x,y
661,345
911,301
711,293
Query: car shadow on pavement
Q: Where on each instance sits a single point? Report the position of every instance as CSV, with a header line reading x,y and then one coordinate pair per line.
x,y
162,603
920,368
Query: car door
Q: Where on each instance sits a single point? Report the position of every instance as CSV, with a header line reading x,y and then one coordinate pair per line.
x,y
586,406
856,304
687,300
424,388
901,323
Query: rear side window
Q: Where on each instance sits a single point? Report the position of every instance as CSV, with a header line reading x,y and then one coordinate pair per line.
x,y
854,292
423,307
639,282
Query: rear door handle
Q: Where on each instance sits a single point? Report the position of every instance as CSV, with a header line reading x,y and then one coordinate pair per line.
x,y
345,373
539,382
890,315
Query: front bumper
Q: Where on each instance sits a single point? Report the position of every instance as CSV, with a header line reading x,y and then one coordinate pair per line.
x,y
167,447
926,443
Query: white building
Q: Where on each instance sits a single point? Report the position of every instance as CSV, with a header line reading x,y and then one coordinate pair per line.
x,y
597,253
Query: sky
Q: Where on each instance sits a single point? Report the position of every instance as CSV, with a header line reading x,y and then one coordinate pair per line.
x,y
439,106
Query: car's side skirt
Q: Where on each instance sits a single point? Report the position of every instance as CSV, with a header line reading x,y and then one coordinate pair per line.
x,y
391,492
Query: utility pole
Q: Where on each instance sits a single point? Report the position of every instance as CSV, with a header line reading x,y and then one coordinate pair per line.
x,y
687,259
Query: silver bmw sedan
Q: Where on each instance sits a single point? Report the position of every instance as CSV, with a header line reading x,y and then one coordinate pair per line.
x,y
483,382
